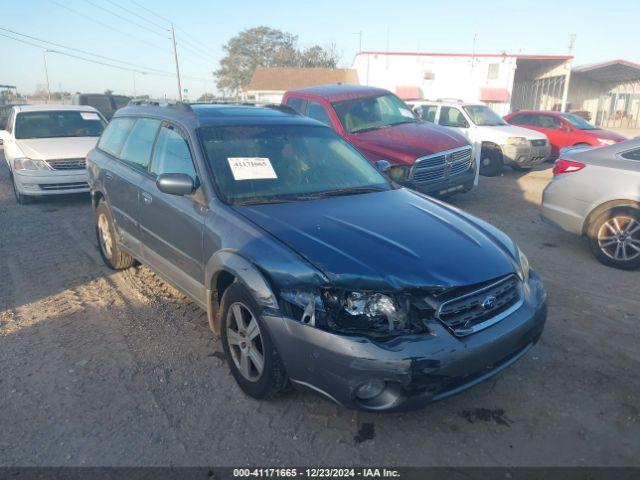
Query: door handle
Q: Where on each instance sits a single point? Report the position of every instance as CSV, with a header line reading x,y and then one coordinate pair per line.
x,y
108,175
147,198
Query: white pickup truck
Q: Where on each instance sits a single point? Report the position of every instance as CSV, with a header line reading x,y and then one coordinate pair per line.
x,y
500,143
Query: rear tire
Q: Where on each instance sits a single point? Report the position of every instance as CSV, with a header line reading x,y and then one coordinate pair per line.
x,y
105,233
490,162
248,348
614,238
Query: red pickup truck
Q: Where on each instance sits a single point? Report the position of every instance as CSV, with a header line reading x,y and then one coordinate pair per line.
x,y
423,156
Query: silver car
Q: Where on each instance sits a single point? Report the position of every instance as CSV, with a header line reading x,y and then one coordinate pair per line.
x,y
596,192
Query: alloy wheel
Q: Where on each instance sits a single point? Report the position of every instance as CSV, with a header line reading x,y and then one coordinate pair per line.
x,y
619,238
245,342
106,242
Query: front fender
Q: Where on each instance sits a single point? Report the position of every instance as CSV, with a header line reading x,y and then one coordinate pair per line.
x,y
244,271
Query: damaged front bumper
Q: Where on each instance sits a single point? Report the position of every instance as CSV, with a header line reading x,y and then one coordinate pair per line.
x,y
525,155
410,371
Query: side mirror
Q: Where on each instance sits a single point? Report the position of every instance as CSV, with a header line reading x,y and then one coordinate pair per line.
x,y
175,183
383,166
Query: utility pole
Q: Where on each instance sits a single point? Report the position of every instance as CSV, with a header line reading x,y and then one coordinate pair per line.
x,y
567,77
359,40
175,56
46,73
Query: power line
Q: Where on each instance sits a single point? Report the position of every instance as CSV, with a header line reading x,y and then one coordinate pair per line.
x,y
163,27
80,58
107,26
122,17
151,11
80,50
119,67
197,43
194,42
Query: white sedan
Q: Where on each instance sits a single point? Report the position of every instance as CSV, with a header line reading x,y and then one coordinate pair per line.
x,y
45,148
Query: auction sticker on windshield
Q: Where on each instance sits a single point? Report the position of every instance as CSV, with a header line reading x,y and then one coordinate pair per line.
x,y
251,168
89,116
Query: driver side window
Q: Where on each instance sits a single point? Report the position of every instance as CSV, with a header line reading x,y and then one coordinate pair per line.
x,y
171,154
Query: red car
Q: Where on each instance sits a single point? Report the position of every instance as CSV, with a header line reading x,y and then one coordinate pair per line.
x,y
563,129
423,156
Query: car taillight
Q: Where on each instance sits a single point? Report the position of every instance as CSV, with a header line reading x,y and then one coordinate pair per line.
x,y
566,166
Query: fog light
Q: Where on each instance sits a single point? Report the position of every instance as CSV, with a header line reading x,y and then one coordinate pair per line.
x,y
370,390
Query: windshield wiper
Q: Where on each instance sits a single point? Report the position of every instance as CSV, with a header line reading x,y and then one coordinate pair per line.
x,y
367,129
351,191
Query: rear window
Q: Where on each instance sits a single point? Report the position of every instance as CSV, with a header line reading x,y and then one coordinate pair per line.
x,y
297,104
115,135
54,124
318,112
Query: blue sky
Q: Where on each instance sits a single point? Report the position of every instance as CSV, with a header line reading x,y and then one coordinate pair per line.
x,y
541,26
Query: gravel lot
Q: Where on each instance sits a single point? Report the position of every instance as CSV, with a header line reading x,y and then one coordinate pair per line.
x,y
104,368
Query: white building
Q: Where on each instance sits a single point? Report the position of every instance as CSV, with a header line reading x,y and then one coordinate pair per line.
x,y
500,80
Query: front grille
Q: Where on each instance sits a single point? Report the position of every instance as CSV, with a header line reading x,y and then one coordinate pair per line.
x,y
441,166
67,164
538,143
63,186
480,307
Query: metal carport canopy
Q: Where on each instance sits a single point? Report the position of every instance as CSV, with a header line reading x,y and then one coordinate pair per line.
x,y
614,71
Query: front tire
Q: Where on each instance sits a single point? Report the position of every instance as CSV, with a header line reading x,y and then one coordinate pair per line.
x,y
490,162
106,236
249,350
614,237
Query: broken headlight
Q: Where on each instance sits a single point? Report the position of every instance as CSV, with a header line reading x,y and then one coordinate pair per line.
x,y
355,312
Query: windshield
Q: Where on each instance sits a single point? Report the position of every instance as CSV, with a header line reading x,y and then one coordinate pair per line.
x,y
49,124
371,113
483,116
577,121
269,164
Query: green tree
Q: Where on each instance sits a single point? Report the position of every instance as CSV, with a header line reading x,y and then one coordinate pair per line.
x,y
265,47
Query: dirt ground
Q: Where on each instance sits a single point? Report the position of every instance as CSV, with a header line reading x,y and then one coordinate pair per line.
x,y
103,368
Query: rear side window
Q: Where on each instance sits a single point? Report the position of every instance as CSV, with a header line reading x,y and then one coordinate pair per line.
x,y
172,154
115,135
427,112
298,104
523,119
137,148
318,112
632,154
452,117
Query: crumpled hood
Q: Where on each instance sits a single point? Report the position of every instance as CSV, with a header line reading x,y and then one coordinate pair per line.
x,y
387,240
408,141
53,148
